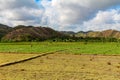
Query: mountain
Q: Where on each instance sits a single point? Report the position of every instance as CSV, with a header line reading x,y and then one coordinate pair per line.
x,y
111,33
4,29
106,34
29,33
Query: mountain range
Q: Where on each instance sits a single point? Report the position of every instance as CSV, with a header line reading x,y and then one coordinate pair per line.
x,y
31,33
106,33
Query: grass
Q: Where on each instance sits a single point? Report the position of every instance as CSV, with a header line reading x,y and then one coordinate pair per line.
x,y
72,47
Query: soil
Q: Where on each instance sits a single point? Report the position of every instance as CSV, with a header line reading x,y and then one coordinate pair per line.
x,y
65,67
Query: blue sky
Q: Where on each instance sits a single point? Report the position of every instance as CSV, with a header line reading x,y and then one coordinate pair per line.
x,y
37,0
72,15
41,0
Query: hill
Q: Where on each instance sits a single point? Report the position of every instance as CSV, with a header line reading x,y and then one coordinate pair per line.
x,y
4,29
30,33
105,34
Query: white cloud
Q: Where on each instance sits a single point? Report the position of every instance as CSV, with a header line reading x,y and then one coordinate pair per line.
x,y
104,20
72,14
62,14
77,11
16,12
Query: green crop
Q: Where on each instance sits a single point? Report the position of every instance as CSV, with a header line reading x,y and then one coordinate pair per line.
x,y
68,47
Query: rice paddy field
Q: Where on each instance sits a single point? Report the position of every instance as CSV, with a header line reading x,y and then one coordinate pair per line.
x,y
69,47
66,61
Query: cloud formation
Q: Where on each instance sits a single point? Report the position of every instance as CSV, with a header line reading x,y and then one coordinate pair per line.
x,y
73,15
15,12
104,20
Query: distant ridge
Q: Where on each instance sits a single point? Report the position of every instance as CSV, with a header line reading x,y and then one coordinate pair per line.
x,y
106,34
31,33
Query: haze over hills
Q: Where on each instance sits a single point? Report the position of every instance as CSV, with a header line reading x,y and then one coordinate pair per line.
x,y
31,33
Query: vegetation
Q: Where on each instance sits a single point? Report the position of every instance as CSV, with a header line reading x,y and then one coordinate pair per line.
x,y
28,39
68,47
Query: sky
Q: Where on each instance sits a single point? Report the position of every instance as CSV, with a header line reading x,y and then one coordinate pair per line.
x,y
62,15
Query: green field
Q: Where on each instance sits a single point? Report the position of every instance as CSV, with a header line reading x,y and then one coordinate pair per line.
x,y
68,47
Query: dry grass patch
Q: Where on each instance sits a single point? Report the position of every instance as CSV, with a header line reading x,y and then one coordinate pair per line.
x,y
65,67
11,57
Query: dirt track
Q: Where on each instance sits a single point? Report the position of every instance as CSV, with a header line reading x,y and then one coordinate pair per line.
x,y
65,67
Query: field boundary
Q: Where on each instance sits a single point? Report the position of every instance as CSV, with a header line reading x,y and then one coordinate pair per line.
x,y
30,58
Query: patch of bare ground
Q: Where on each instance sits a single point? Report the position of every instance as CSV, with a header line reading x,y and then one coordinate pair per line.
x,y
64,67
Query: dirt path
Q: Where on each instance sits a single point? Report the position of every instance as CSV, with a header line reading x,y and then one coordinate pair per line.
x,y
65,67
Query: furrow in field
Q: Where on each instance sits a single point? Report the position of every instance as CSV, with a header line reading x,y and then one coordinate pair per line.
x,y
27,59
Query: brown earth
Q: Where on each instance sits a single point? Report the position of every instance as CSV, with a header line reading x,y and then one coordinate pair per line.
x,y
65,67
31,33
